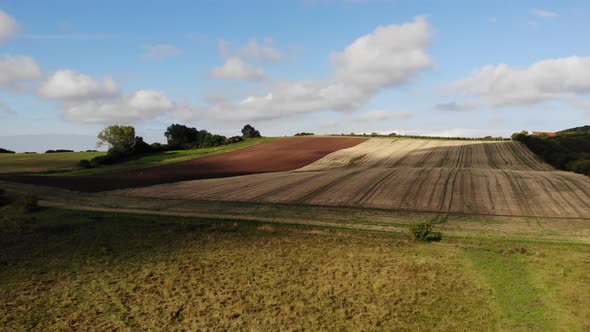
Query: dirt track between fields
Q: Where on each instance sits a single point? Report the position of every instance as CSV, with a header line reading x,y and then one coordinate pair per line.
x,y
278,155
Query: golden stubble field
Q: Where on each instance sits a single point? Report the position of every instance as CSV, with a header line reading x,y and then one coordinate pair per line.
x,y
471,177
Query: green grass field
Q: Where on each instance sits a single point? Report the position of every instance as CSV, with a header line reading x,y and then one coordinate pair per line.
x,y
80,270
42,162
66,164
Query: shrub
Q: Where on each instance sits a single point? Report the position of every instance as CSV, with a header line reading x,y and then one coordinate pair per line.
x,y
58,151
5,151
234,139
423,232
85,163
28,203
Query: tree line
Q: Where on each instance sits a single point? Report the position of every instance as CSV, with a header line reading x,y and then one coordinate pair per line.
x,y
123,144
569,150
374,134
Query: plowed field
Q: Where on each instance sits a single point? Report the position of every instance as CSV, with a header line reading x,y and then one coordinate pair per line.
x,y
495,178
278,155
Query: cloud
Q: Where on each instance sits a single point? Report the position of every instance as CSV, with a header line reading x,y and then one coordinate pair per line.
x,y
68,84
389,56
543,13
503,85
454,106
160,51
383,115
17,70
8,26
236,69
85,99
139,105
253,50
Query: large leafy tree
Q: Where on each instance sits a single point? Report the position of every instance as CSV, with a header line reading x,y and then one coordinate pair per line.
x,y
180,135
120,139
250,132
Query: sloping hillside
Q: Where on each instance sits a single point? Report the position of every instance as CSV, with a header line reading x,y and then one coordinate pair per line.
x,y
495,178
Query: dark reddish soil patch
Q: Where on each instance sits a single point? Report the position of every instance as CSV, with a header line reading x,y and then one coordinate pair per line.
x,y
279,155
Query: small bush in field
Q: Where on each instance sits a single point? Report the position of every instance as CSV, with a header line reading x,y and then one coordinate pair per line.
x,y
424,232
85,163
28,203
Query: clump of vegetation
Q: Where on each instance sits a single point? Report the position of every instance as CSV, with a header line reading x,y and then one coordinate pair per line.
x,y
85,163
58,151
568,150
5,151
424,232
124,145
304,134
444,138
28,203
250,132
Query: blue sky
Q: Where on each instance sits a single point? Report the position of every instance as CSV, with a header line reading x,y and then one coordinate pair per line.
x,y
470,68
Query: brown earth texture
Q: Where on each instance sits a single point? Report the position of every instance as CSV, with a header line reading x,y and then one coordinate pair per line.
x,y
464,177
278,155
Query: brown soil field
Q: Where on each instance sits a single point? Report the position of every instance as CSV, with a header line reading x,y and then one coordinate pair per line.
x,y
487,178
276,156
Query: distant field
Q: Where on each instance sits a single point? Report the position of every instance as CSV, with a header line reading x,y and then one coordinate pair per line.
x,y
168,157
66,164
275,155
42,162
494,178
76,270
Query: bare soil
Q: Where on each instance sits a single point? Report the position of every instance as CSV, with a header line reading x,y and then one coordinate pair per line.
x,y
275,156
486,178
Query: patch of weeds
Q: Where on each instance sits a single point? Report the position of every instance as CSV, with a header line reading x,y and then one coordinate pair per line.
x,y
440,219
424,232
224,227
28,203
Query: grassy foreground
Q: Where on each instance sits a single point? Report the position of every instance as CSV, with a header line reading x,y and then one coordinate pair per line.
x,y
80,270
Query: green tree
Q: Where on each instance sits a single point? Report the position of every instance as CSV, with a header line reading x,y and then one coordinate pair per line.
x,y
120,139
250,132
180,135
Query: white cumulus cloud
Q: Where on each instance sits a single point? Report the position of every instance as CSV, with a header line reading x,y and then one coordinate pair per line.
x,y
148,100
389,56
504,85
15,70
253,50
236,69
8,26
383,115
68,84
140,105
86,99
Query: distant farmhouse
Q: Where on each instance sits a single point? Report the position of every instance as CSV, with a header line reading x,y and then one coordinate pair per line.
x,y
540,133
